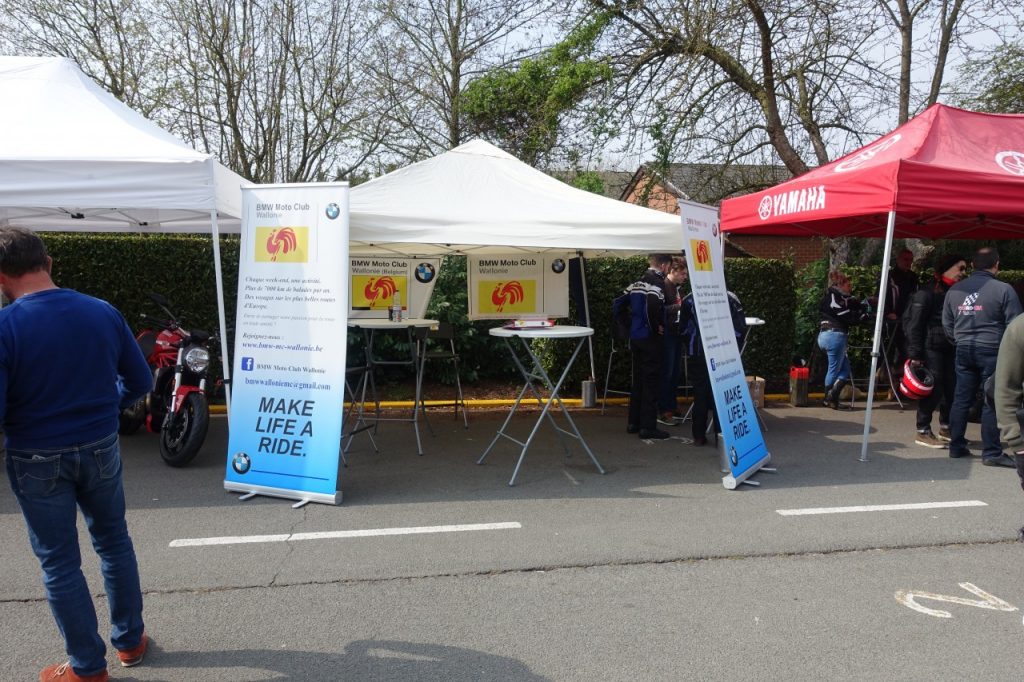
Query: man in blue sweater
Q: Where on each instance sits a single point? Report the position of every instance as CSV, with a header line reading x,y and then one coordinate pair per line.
x,y
68,362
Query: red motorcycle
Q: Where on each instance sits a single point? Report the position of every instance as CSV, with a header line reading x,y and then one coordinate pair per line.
x,y
177,406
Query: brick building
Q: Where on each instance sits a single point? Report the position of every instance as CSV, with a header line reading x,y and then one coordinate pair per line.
x,y
709,184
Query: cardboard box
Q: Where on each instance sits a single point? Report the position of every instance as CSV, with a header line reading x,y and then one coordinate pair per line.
x,y
756,386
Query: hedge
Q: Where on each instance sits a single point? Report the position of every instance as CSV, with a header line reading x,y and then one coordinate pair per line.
x,y
123,268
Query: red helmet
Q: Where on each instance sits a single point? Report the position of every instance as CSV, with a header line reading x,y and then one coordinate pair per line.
x,y
917,382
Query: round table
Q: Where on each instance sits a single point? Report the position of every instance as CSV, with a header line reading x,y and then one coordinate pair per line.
x,y
538,376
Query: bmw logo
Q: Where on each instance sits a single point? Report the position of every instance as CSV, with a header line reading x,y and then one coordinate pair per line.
x,y
558,266
332,211
425,272
732,457
241,463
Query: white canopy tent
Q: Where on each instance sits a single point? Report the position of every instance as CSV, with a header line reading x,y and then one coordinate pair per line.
x,y
73,158
477,199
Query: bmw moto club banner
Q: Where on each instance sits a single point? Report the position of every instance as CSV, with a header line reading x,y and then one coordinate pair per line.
x,y
290,340
518,286
745,448
378,281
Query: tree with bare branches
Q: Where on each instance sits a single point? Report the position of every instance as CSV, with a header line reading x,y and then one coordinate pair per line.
x,y
429,50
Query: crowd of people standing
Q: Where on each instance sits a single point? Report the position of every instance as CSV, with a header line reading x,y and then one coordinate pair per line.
x,y
663,330
950,329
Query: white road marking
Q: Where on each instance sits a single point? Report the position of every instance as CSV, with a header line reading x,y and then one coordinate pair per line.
x,y
880,507
336,534
569,476
987,601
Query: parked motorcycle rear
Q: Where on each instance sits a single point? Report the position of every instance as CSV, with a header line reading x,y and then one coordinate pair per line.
x,y
177,408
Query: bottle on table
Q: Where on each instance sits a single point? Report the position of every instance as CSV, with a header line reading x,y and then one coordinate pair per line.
x,y
395,311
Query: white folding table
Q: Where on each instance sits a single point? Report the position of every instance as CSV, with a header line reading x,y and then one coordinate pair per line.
x,y
536,376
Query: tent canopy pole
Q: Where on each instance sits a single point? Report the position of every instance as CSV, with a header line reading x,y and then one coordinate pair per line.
x,y
876,343
586,312
221,316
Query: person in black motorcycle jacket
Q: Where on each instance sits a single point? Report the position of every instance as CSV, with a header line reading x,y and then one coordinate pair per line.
x,y
927,345
647,298
838,310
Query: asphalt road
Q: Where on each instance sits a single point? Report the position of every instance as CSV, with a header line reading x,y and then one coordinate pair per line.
x,y
650,572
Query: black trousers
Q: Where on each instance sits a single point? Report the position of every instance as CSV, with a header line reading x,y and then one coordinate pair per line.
x,y
942,365
646,379
703,397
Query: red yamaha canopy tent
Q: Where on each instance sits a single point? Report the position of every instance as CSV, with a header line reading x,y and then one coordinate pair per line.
x,y
948,173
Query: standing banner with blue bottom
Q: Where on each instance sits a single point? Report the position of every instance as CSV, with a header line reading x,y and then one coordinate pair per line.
x,y
290,341
744,444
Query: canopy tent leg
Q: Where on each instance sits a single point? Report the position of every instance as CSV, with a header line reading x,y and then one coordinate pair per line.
x,y
222,318
586,312
877,341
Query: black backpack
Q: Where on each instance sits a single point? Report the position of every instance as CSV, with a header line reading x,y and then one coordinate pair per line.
x,y
622,321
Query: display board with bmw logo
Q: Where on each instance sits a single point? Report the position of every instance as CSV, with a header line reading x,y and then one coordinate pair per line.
x,y
288,375
518,286
745,451
378,282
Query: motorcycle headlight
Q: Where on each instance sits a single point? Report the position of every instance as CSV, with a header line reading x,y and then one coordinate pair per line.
x,y
197,359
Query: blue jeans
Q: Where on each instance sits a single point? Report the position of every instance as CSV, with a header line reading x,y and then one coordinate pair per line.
x,y
834,344
48,485
671,363
974,365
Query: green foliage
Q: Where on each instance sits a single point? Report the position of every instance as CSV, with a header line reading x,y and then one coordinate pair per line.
x,y
810,287
122,269
588,181
521,108
998,79
663,132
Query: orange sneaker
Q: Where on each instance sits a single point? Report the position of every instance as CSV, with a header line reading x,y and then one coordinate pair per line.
x,y
62,672
134,656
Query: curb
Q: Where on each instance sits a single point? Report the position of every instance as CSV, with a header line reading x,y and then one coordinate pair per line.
x,y
573,402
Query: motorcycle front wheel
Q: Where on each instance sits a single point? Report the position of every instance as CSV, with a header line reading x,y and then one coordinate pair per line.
x,y
185,432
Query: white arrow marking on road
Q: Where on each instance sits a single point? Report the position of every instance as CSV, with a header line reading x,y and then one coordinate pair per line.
x,y
334,534
880,507
988,601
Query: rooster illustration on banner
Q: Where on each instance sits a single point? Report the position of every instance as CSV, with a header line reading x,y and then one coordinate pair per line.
x,y
701,254
508,293
379,289
517,296
282,245
377,292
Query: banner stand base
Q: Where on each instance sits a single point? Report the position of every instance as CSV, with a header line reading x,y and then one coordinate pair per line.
x,y
731,482
770,470
303,498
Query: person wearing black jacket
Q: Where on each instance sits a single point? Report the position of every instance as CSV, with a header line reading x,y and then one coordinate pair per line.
x,y
668,405
838,310
903,283
927,345
646,340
